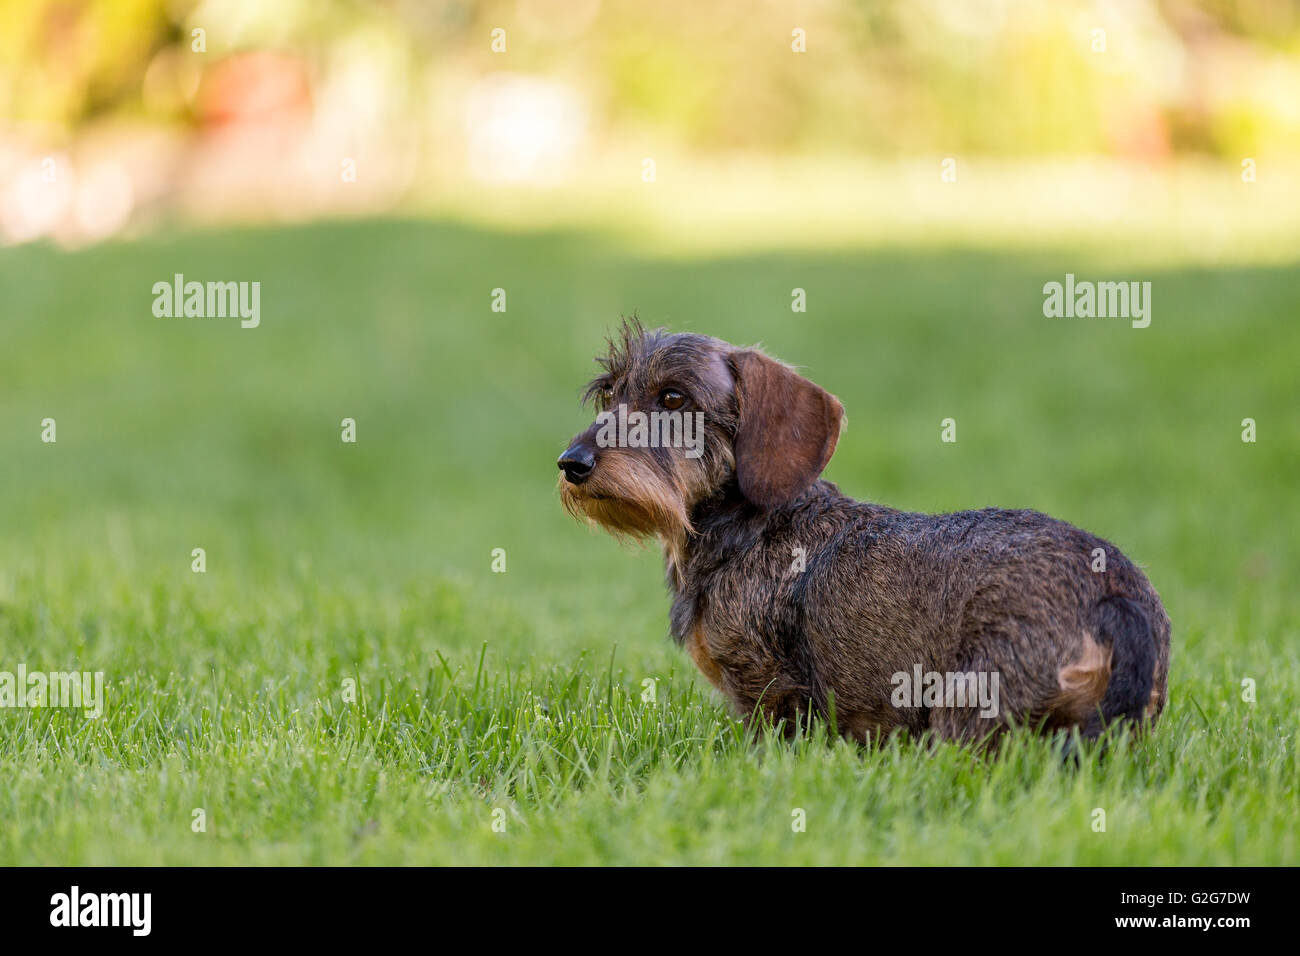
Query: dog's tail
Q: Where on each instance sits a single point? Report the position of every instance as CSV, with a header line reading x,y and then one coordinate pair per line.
x,y
1124,626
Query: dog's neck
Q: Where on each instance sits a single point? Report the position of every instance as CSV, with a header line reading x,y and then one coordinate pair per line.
x,y
724,525
706,516
721,525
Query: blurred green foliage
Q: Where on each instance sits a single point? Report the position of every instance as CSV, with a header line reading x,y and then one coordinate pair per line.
x,y
997,77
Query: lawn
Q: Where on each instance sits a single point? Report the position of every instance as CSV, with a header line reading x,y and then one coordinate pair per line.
x,y
349,681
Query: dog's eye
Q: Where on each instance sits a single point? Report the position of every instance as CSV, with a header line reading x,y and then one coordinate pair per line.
x,y
672,399
607,395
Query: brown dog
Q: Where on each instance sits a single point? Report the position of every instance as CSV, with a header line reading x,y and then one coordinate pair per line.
x,y
795,600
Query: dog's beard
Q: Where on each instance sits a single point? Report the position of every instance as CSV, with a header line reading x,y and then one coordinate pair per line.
x,y
628,499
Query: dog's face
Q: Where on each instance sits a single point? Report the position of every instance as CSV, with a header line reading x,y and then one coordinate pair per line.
x,y
679,416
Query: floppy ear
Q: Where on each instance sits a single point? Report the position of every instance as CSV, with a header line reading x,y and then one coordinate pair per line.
x,y
787,429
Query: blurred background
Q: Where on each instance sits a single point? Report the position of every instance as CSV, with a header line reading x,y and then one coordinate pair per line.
x,y
121,115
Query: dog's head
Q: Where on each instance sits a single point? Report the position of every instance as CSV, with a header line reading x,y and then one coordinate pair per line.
x,y
679,416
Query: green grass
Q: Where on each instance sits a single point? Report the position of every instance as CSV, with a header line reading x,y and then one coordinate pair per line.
x,y
522,692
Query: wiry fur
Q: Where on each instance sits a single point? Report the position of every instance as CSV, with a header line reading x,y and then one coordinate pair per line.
x,y
881,591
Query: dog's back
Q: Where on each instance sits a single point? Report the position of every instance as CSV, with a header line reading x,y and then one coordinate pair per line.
x,y
859,594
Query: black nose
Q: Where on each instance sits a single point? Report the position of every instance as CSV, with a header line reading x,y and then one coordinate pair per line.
x,y
577,463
